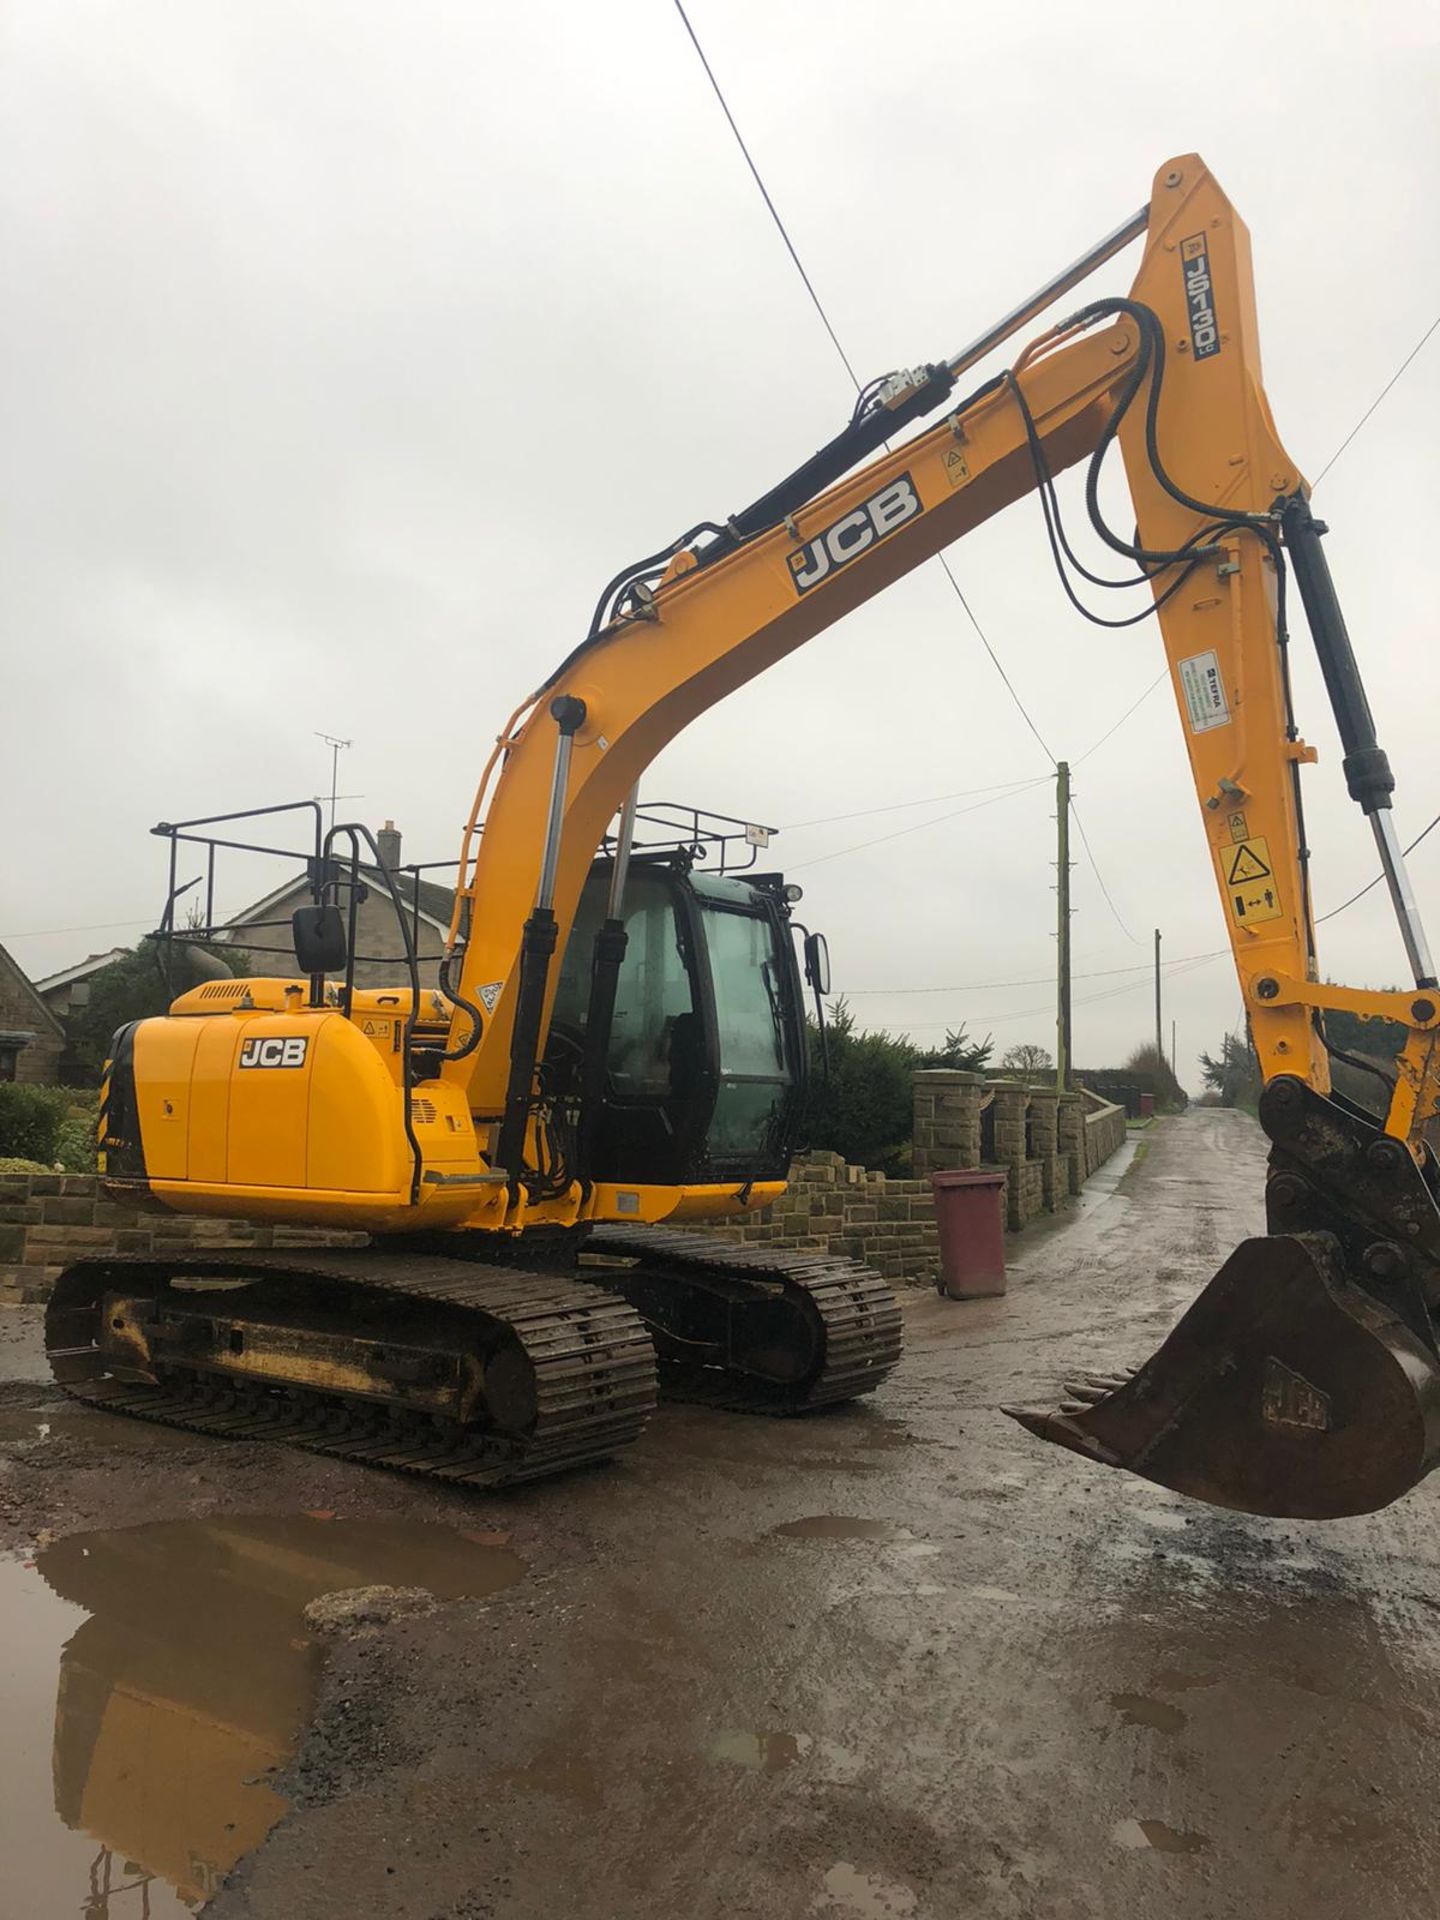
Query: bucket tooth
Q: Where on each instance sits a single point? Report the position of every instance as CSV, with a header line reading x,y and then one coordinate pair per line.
x,y
1286,1389
1089,1391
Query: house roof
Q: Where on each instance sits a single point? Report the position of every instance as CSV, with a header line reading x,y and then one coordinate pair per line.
x,y
95,963
435,901
44,1017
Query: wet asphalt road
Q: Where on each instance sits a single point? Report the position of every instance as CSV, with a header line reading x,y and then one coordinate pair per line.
x,y
899,1662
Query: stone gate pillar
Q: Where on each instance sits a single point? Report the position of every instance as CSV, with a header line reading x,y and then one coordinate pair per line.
x,y
1045,1145
1071,1136
947,1119
1011,1103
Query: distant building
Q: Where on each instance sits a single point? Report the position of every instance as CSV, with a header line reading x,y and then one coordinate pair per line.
x,y
31,1037
68,990
379,944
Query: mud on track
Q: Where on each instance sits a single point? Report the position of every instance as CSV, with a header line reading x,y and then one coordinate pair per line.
x,y
898,1660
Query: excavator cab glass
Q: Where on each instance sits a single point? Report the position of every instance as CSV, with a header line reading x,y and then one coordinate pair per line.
x,y
705,1065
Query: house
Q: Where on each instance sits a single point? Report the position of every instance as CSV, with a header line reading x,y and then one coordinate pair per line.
x,y
379,944
69,989
31,1037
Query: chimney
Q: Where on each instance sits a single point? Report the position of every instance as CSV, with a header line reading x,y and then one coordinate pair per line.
x,y
388,841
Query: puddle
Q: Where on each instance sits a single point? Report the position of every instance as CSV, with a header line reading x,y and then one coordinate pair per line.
x,y
1175,1680
1160,1838
152,1675
1137,1710
560,1776
835,1526
34,1426
758,1752
1328,1823
865,1896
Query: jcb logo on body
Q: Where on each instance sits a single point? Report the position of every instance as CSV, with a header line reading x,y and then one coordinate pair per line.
x,y
276,1050
855,534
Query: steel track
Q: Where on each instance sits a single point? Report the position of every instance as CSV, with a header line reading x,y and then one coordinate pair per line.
x,y
857,1317
593,1360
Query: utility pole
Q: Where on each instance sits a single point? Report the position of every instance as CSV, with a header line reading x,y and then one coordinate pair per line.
x,y
1159,1027
1174,1053
1063,1061
335,745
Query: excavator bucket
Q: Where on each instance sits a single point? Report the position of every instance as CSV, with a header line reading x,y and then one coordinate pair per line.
x,y
1286,1389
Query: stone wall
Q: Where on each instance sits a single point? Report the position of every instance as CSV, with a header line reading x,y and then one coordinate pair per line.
x,y
1104,1132
50,1219
1046,1144
830,1207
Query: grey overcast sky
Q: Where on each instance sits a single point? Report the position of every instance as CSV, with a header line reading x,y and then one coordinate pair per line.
x,y
349,348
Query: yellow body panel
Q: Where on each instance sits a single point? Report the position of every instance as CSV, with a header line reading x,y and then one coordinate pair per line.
x,y
164,1059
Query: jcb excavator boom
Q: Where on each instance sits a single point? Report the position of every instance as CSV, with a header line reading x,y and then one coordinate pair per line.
x,y
1304,1380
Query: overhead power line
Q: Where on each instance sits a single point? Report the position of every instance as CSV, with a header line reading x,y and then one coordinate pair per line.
x,y
1099,877
1374,404
1086,1000
898,806
1379,876
765,196
1024,711
1040,980
919,827
1094,747
95,926
844,357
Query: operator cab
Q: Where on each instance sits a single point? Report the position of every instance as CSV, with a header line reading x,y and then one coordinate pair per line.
x,y
706,1066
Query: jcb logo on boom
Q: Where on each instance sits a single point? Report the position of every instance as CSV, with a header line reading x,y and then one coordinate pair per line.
x,y
276,1050
1199,296
855,534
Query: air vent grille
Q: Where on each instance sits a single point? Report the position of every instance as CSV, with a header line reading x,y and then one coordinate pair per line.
x,y
422,1112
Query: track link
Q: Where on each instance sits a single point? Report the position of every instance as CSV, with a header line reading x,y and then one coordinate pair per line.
x,y
854,1318
594,1363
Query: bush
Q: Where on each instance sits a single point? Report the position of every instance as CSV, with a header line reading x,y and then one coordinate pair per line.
x,y
1151,1071
31,1119
75,1148
865,1109
132,988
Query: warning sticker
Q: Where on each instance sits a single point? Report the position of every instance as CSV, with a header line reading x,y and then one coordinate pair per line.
x,y
957,469
1239,827
489,994
1250,882
1204,692
1245,863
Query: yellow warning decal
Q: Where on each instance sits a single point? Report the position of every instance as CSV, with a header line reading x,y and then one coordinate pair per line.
x,y
1249,861
1239,827
957,470
1249,881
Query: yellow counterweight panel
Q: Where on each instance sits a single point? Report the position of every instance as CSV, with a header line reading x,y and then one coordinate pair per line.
x,y
356,1136
269,1074
210,1098
164,1058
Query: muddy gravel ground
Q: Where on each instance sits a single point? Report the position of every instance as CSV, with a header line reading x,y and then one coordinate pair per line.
x,y
897,1662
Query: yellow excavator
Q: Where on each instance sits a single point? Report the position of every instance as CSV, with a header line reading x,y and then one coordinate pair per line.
x,y
524,1143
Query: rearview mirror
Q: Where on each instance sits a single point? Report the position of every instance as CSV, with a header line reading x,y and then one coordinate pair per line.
x,y
817,963
320,945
